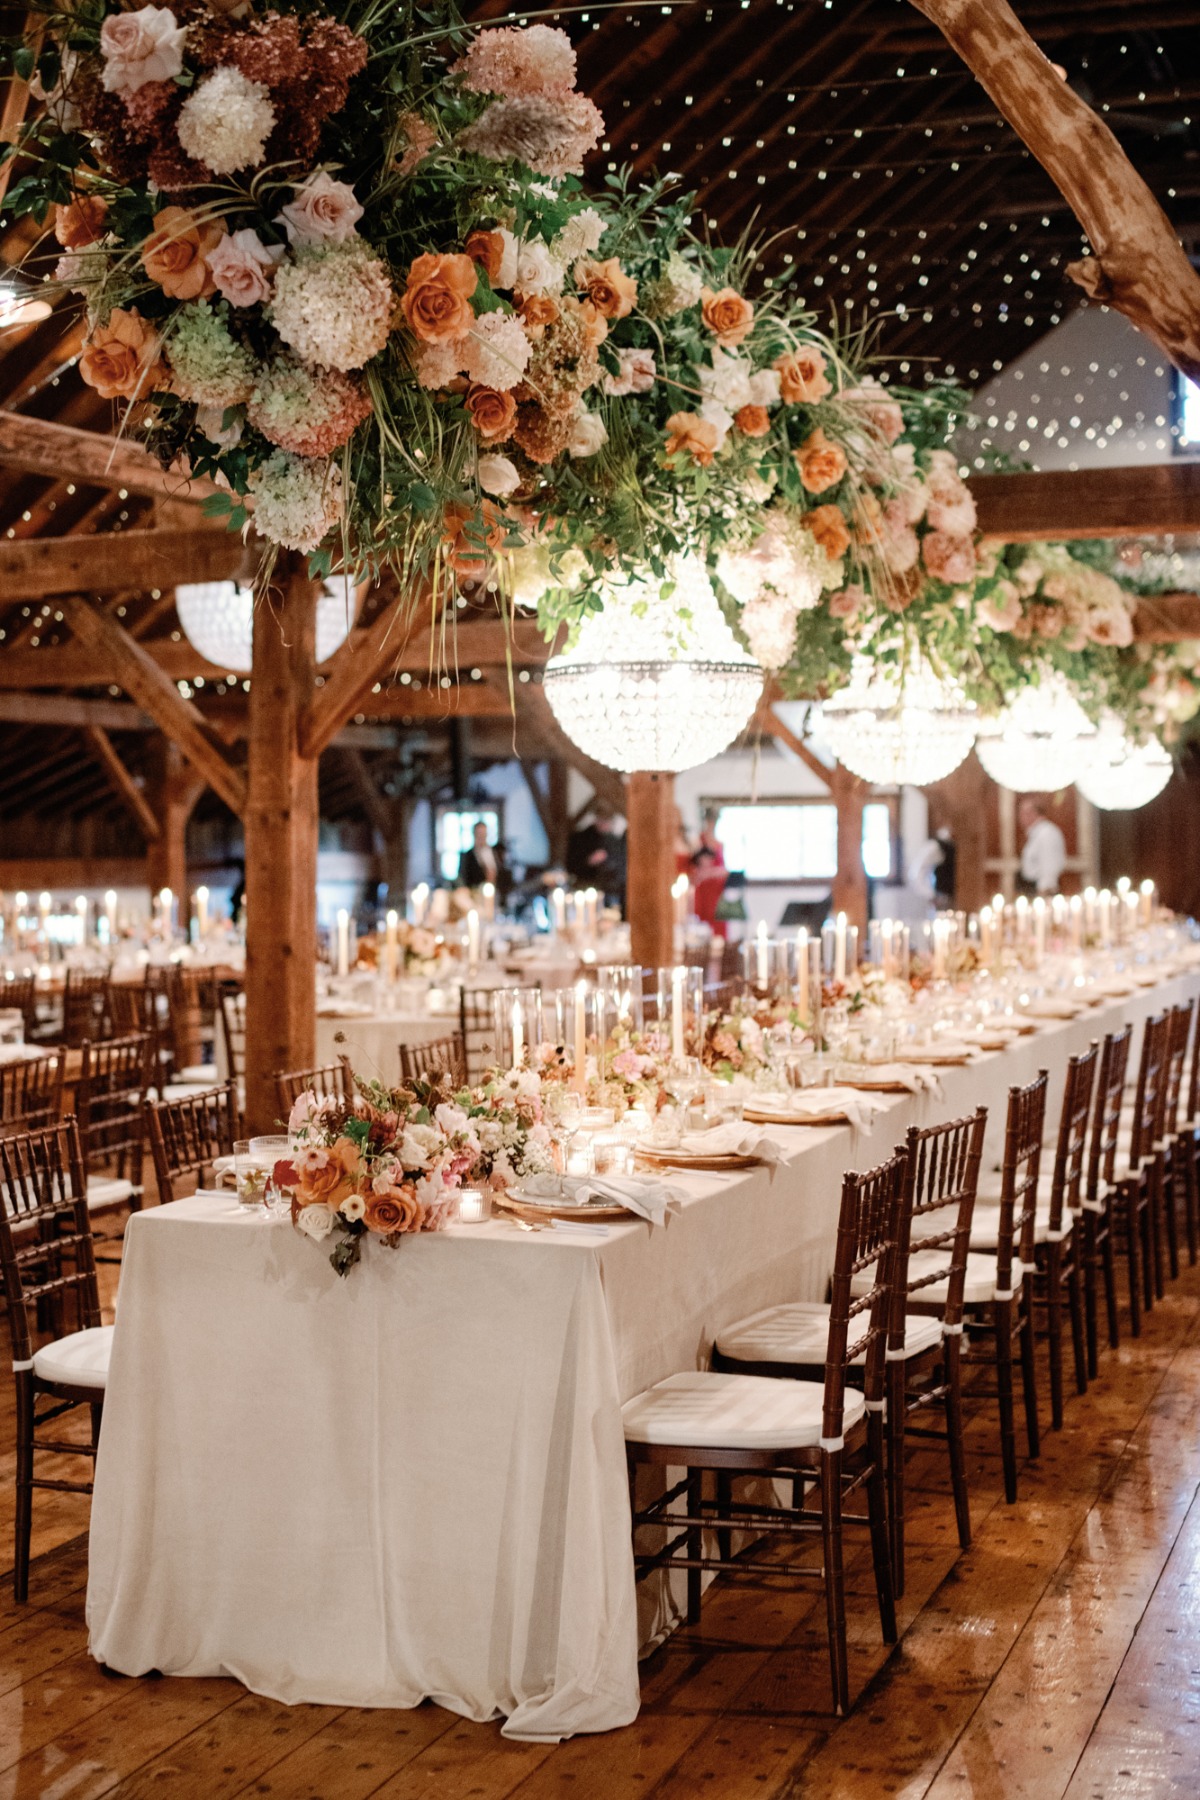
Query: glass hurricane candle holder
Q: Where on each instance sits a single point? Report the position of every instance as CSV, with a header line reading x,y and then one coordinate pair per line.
x,y
517,1021
767,965
474,1206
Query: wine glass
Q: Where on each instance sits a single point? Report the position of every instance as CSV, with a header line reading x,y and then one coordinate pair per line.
x,y
571,1109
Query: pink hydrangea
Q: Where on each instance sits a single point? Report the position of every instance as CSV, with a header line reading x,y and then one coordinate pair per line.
x,y
537,60
949,559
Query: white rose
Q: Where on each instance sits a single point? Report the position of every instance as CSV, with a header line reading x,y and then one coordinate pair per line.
x,y
141,46
316,1221
537,271
323,211
506,275
588,434
413,1153
452,1119
764,387
716,415
498,475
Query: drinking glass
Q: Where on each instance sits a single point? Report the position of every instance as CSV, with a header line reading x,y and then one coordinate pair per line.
x,y
610,1154
249,1178
571,1108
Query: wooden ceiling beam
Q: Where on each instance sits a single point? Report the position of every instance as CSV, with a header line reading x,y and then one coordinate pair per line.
x,y
146,683
65,709
122,782
1143,500
35,568
66,453
1167,618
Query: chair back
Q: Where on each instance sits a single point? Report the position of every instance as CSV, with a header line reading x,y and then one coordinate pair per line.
x,y
20,993
187,1136
1193,1087
86,1009
46,1255
1151,1095
1106,1116
31,1092
477,1027
233,1028
110,1101
439,1056
1070,1149
330,1079
1179,1030
731,962
1024,1129
942,1178
869,1226
719,996
131,1007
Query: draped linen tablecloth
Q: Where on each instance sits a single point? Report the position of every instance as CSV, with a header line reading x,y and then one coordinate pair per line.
x,y
372,1040
411,1483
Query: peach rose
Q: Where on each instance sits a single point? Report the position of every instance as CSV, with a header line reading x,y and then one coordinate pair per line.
x,y
610,290
949,559
175,255
802,376
493,413
487,249
752,421
536,311
688,431
829,528
397,1210
821,464
121,359
81,221
321,211
726,314
437,301
469,537
595,325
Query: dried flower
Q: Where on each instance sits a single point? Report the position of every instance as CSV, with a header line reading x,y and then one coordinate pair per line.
x,y
537,60
551,136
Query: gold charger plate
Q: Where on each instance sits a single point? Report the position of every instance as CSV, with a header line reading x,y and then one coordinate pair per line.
x,y
576,1215
759,1117
934,1059
680,1159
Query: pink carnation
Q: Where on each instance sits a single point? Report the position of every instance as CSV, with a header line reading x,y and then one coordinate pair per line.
x,y
537,60
949,559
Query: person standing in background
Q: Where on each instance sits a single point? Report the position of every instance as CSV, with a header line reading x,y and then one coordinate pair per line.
x,y
1044,853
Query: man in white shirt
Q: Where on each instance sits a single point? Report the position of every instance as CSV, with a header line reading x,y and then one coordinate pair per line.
x,y
1044,854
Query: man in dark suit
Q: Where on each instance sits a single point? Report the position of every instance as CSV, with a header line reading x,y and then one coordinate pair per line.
x,y
480,863
596,857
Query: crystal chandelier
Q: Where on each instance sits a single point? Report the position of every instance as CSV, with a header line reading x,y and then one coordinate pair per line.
x,y
897,728
653,683
1041,740
1120,774
218,620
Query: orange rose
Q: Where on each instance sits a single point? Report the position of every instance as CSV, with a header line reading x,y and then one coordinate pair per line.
x,y
487,249
595,326
326,1177
802,376
492,413
469,535
726,314
437,300
688,431
120,360
610,290
175,255
752,421
821,464
81,221
537,311
829,529
397,1210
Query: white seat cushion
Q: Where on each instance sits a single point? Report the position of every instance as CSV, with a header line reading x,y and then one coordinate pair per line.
x,y
185,1090
798,1334
979,1285
80,1360
206,1074
108,1190
732,1412
985,1226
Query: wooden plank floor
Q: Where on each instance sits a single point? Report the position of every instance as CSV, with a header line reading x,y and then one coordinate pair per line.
x,y
1059,1659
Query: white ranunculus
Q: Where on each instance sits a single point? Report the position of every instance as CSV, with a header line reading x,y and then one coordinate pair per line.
x,y
316,1221
588,434
498,476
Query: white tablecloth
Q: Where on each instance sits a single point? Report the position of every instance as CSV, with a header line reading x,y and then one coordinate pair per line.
x,y
372,1041
412,1482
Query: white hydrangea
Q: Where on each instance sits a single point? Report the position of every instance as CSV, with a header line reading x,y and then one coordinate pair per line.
x,y
784,559
528,572
580,236
333,304
769,623
764,387
226,122
496,352
298,500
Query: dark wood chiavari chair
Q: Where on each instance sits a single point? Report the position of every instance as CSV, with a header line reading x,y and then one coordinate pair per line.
x,y
19,992
439,1056
1190,1149
1097,1249
719,996
110,1101
233,1033
1171,1149
477,1027
830,1435
31,1092
86,1009
730,966
329,1080
49,1271
1137,1185
187,1136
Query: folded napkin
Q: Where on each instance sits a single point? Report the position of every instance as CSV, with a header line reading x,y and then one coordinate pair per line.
x,y
739,1138
581,1229
942,1050
1056,1009
910,1076
858,1109
649,1199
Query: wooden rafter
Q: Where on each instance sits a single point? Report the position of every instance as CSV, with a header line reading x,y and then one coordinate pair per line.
x,y
1138,266
122,782
1086,503
35,568
767,720
42,447
146,683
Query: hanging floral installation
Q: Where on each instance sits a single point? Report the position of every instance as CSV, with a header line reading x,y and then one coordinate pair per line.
x,y
347,268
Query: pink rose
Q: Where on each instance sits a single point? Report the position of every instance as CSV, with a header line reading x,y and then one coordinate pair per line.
x,y
242,265
956,517
324,211
1001,609
949,559
636,374
141,46
847,603
627,1063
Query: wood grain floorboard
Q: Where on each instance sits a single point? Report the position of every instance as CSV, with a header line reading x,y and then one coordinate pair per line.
x,y
1058,1659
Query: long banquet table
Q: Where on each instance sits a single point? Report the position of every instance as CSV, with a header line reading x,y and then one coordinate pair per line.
x,y
411,1483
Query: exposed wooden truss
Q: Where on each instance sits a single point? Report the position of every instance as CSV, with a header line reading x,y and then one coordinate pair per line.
x,y
1146,499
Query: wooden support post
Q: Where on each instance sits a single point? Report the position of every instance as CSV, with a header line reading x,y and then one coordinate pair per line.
x,y
850,882
650,847
560,824
166,855
963,803
281,845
